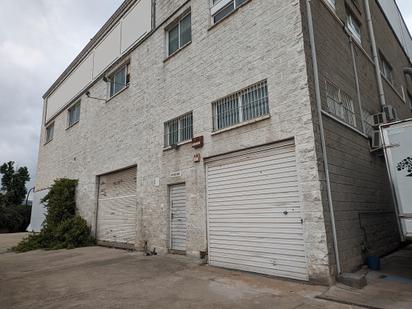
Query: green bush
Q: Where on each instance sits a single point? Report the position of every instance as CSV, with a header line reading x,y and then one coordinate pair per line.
x,y
14,219
62,228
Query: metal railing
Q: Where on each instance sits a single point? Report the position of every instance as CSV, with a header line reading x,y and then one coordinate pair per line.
x,y
247,104
178,130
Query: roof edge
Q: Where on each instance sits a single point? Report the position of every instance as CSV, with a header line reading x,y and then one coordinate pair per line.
x,y
123,8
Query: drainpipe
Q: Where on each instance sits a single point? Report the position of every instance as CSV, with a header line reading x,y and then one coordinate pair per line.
x,y
322,133
375,54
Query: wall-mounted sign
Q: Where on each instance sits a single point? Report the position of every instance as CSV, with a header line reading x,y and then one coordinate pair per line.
x,y
197,142
197,158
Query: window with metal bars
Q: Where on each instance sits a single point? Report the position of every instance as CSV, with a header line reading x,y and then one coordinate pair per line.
x,y
178,130
247,104
340,104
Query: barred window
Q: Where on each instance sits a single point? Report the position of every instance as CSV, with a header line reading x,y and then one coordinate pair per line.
x,y
178,130
340,104
247,104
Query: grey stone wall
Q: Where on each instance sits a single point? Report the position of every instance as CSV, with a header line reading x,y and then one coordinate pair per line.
x,y
362,200
262,40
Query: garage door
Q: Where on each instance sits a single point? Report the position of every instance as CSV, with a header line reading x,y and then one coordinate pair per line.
x,y
254,215
116,214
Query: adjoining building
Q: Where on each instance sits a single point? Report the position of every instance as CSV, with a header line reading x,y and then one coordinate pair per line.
x,y
240,129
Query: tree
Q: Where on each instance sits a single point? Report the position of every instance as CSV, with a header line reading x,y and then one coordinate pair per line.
x,y
13,184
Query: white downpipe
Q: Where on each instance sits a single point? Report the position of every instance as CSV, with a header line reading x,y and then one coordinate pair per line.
x,y
322,134
375,57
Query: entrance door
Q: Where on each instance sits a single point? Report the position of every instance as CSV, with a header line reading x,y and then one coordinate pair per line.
x,y
178,217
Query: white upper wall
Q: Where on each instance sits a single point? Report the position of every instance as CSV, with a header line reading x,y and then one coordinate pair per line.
x,y
394,16
127,32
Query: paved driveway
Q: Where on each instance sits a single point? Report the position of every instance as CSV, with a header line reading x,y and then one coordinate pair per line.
x,y
7,241
97,277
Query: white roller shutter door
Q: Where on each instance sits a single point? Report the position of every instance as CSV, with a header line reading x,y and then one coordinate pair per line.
x,y
116,214
178,217
254,216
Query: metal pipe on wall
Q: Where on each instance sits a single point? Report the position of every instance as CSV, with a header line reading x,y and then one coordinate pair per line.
x,y
322,133
375,56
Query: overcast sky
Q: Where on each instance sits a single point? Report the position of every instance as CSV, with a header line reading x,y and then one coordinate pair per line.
x,y
38,39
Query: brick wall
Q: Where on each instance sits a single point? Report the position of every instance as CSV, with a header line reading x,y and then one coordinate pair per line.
x,y
361,195
262,40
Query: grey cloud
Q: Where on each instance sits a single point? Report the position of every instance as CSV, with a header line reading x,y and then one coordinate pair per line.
x,y
38,39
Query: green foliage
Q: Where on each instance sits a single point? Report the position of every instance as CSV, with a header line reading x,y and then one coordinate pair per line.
x,y
14,219
62,228
13,183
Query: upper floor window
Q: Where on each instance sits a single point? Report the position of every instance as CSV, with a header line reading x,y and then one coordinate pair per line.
x,y
179,34
118,80
49,132
332,3
73,114
247,104
340,104
354,27
221,8
178,130
386,68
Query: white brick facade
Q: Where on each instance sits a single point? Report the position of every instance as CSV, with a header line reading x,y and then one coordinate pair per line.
x,y
262,40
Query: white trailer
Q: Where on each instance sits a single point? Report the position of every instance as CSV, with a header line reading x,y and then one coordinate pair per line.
x,y
397,145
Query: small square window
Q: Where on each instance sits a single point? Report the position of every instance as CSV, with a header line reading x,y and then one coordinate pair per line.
x,y
178,130
180,34
49,132
118,80
74,114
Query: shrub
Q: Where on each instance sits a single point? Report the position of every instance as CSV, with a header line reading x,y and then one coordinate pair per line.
x,y
62,228
14,219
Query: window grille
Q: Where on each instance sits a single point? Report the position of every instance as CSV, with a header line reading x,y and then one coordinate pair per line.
x,y
340,104
248,104
178,130
74,114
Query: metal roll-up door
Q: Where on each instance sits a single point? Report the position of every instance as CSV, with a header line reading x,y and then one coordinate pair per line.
x,y
254,216
178,217
116,214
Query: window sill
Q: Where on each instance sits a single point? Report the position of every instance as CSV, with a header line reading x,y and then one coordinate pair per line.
x,y
177,51
72,125
241,124
112,97
345,124
178,145
47,142
228,15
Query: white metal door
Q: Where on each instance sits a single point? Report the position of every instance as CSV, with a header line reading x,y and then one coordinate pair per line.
x,y
116,213
178,217
254,215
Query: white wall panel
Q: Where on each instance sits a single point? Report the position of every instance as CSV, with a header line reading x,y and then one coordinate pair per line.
x,y
107,51
38,211
75,83
136,24
126,33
